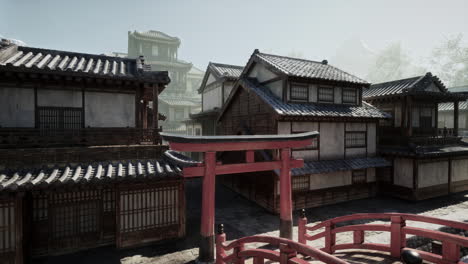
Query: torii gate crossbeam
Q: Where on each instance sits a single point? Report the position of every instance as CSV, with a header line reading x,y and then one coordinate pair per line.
x,y
210,168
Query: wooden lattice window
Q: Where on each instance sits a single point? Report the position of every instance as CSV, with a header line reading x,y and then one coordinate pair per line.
x,y
60,118
359,176
7,226
299,92
40,207
148,208
300,183
326,94
349,96
355,139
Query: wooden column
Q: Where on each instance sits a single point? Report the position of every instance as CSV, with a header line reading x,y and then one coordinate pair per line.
x,y
155,106
206,251
455,118
19,228
409,116
285,196
145,114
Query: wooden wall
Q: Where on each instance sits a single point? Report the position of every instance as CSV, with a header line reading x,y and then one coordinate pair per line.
x,y
247,111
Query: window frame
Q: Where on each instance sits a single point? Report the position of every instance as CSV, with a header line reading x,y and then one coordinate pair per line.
x,y
347,145
301,85
361,181
343,89
332,94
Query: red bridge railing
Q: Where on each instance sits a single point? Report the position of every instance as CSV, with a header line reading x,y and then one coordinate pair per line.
x,y
287,253
398,230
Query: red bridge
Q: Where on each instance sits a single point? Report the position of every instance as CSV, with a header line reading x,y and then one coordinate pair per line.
x,y
289,250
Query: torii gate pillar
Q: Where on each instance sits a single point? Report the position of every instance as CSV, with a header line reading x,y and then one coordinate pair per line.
x,y
210,168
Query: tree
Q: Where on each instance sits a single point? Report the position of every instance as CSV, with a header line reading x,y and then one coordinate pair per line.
x,y
449,61
392,63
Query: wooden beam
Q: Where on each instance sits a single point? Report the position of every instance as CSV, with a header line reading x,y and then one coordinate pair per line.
x,y
238,146
190,172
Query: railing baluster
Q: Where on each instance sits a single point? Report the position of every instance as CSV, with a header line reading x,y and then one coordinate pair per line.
x,y
358,237
396,236
258,260
240,248
301,227
329,237
450,251
220,239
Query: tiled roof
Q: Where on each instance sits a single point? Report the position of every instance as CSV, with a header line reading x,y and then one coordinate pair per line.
x,y
307,68
426,151
170,166
326,166
226,70
13,57
403,86
154,34
312,109
449,106
459,89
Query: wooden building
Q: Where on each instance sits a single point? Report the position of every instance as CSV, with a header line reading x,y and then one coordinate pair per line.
x,y
161,52
80,167
427,160
446,111
215,88
283,95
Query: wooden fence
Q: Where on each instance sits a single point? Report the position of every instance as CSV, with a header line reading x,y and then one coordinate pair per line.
x,y
398,230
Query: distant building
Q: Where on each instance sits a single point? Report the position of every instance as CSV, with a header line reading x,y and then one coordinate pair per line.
x,y
428,161
180,97
446,113
215,89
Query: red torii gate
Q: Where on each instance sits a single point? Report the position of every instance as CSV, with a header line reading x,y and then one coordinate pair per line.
x,y
210,168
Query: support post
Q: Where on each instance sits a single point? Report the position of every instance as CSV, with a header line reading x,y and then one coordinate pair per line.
x,y
19,228
396,236
145,114
450,252
206,250
409,116
155,114
220,239
330,238
285,196
455,119
301,227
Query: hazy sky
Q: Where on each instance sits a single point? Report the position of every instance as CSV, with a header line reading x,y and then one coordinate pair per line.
x,y
228,31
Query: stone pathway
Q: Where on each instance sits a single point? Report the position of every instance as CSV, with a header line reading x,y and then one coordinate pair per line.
x,y
244,218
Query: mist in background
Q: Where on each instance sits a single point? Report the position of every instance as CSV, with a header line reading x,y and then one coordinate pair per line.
x,y
376,40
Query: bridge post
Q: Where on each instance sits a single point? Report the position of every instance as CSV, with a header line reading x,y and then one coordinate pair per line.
x,y
206,251
396,235
285,195
450,252
301,227
330,238
220,239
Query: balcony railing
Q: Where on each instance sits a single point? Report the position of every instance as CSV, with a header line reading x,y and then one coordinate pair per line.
x,y
31,137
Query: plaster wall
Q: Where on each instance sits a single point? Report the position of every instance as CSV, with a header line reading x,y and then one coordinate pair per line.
x,y
355,152
328,180
371,139
212,98
284,128
355,126
261,73
276,88
371,175
415,117
307,155
433,173
109,110
331,140
338,97
397,117
313,93
211,79
227,90
459,170
16,107
59,98
403,172
305,126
